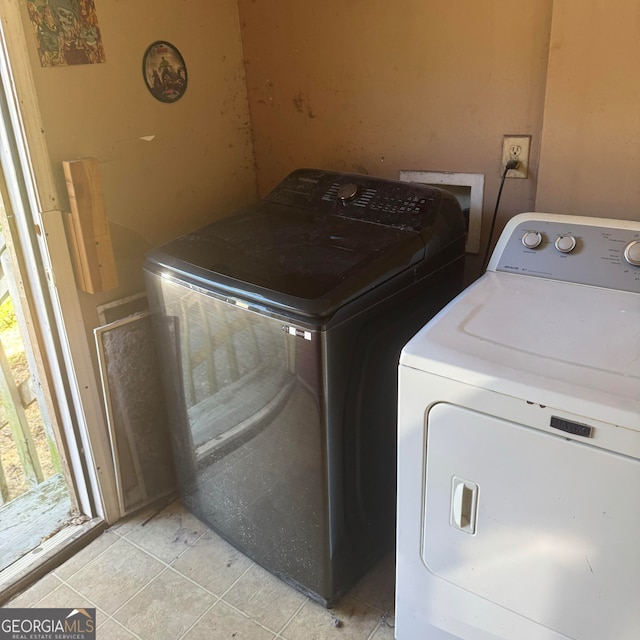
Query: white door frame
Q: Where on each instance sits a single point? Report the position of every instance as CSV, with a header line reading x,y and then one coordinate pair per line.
x,y
65,336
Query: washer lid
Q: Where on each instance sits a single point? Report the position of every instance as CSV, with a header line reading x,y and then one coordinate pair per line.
x,y
290,258
570,346
319,240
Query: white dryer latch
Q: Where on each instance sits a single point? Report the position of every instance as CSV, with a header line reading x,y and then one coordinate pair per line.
x,y
464,503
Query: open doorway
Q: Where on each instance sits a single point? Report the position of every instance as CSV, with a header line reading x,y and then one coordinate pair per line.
x,y
38,489
41,288
35,497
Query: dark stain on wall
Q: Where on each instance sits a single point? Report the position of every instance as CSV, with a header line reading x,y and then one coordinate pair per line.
x,y
301,105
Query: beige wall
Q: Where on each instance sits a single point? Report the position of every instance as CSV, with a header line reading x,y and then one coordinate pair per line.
x,y
364,86
374,87
590,159
199,163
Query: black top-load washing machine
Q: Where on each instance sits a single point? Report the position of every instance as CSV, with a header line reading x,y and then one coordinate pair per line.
x,y
279,330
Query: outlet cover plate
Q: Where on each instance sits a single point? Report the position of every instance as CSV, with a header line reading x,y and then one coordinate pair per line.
x,y
518,148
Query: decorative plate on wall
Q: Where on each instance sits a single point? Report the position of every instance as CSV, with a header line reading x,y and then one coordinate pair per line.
x,y
165,72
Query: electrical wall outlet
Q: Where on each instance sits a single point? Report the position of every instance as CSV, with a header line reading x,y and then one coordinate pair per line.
x,y
516,148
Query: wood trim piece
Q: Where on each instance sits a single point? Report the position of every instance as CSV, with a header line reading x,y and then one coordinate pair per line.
x,y
91,241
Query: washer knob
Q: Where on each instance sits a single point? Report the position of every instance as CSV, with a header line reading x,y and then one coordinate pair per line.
x,y
632,253
532,239
565,244
347,191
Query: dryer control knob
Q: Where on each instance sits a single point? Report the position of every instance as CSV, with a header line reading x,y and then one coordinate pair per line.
x,y
531,239
347,191
632,253
565,244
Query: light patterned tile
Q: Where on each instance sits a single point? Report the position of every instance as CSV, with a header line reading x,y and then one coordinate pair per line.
x,y
385,630
115,575
165,608
264,598
112,630
128,523
147,600
349,620
86,555
169,533
377,587
221,621
64,597
213,563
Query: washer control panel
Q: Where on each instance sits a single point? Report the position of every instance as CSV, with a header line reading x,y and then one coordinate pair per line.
x,y
558,248
403,205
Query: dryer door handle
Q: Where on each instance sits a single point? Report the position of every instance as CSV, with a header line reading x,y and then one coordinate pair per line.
x,y
464,502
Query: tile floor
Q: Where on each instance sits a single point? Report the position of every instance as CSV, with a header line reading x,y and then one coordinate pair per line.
x,y
152,577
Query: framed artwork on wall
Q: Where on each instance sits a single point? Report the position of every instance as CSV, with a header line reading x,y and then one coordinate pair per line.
x,y
164,71
67,32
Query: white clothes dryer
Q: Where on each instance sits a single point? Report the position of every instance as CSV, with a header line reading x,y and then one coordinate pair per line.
x,y
519,444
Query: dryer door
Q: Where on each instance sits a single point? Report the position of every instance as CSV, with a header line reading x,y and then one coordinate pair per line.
x,y
544,526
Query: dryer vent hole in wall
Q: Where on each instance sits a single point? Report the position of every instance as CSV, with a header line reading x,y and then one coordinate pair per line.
x,y
468,188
